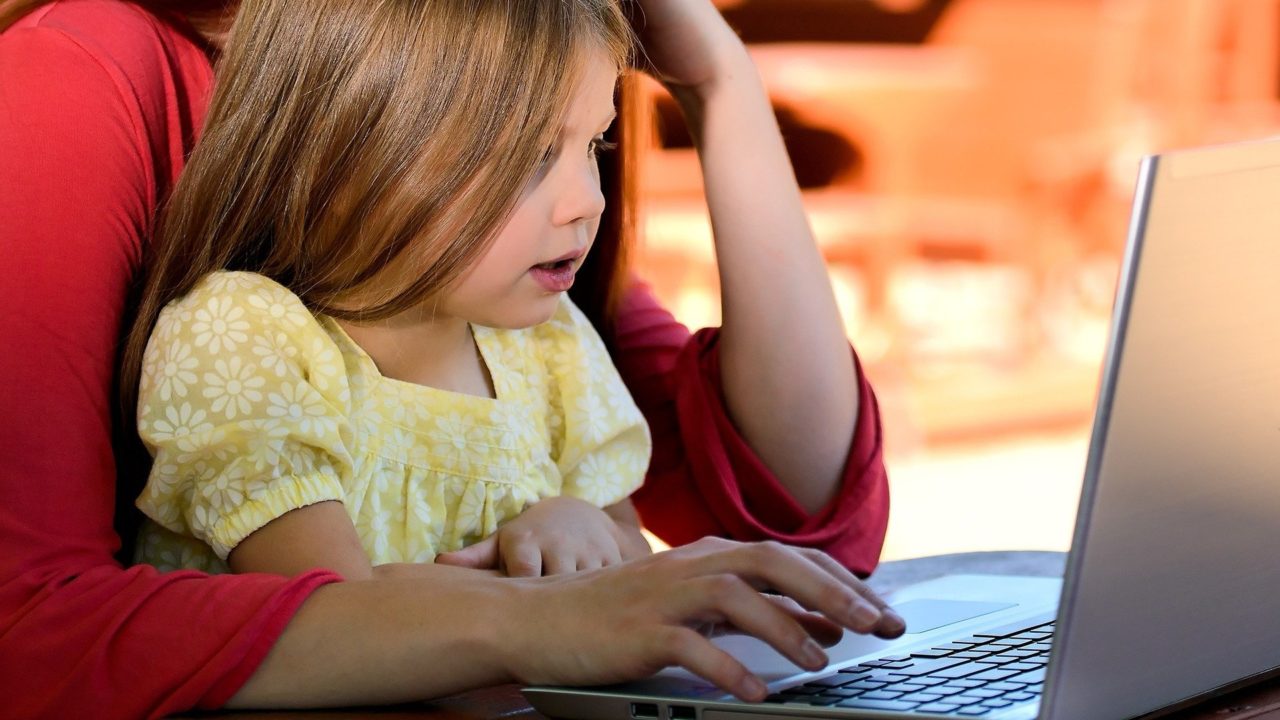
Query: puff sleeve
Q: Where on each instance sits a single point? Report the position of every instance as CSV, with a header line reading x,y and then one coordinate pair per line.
x,y
244,405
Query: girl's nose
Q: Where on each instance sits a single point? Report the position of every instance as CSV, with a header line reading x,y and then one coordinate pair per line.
x,y
580,198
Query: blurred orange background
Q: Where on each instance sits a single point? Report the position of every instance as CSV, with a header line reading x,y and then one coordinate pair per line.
x,y
968,167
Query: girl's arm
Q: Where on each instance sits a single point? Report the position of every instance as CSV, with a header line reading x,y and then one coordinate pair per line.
x,y
788,377
315,536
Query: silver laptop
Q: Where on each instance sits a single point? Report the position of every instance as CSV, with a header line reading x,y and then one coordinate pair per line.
x,y
1172,586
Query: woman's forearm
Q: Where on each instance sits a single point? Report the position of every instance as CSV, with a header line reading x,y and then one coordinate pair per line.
x,y
385,641
788,375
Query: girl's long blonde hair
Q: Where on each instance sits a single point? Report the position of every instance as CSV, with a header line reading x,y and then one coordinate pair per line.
x,y
345,134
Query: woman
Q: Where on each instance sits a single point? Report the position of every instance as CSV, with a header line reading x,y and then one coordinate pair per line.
x,y
99,105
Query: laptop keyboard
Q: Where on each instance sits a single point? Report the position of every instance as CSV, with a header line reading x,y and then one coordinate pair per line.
x,y
966,678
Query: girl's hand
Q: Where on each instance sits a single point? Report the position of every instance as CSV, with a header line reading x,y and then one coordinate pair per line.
x,y
555,536
687,43
627,622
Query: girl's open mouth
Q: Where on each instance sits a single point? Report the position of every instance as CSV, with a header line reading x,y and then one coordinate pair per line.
x,y
555,277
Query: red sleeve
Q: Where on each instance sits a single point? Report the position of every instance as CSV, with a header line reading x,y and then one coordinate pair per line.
x,y
79,635
705,480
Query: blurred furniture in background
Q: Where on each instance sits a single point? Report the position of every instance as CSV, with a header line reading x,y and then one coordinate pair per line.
x,y
968,167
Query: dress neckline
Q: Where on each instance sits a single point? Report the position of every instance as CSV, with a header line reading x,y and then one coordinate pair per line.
x,y
480,335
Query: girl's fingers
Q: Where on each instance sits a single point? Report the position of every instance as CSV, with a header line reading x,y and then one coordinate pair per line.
x,y
559,561
483,555
695,653
522,558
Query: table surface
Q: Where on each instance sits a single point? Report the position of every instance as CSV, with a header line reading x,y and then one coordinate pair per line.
x,y
500,703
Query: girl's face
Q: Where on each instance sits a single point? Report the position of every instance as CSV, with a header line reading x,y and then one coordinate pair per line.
x,y
518,281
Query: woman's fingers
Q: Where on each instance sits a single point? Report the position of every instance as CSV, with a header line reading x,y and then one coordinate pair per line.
x,y
891,624
818,626
778,567
749,611
695,653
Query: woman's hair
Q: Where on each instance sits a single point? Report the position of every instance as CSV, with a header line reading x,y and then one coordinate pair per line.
x,y
347,134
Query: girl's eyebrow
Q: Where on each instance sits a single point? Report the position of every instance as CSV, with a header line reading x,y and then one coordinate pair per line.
x,y
608,120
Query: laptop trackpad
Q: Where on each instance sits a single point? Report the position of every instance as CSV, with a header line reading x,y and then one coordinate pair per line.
x,y
929,614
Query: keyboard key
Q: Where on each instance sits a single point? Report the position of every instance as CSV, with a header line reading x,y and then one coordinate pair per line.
x,y
1035,676
930,667
1020,696
996,703
1010,641
829,682
854,671
967,683
983,693
946,690
802,690
995,675
922,697
965,670
1022,666
931,654
973,710
1004,686
956,646
881,695
877,704
865,685
844,692
938,707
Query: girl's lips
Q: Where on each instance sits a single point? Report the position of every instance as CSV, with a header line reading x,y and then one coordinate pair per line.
x,y
557,275
554,278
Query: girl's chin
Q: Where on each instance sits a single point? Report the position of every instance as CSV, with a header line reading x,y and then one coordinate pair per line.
x,y
534,312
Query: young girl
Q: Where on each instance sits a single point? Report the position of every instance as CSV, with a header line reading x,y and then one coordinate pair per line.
x,y
360,351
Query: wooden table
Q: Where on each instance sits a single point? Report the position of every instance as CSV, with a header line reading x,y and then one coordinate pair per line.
x,y
500,703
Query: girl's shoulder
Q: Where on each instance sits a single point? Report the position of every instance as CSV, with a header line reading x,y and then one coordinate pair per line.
x,y
243,301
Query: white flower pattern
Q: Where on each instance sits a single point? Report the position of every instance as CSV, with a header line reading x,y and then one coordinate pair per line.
x,y
253,407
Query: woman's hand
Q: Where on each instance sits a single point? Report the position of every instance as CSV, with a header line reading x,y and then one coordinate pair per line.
x,y
627,622
687,43
555,536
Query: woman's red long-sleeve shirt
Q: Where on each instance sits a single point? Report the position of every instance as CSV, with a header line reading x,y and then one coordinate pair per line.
x,y
100,103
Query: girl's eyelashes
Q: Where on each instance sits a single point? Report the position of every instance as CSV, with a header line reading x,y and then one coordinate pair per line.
x,y
597,147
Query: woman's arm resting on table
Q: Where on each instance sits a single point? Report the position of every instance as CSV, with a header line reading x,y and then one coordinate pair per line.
x,y
618,623
788,378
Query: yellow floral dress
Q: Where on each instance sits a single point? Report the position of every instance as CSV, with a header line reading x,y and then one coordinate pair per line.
x,y
252,406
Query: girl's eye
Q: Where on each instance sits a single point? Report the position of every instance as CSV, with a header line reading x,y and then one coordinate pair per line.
x,y
600,145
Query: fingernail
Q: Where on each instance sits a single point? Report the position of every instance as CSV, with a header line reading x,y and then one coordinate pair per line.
x,y
751,687
813,654
865,614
